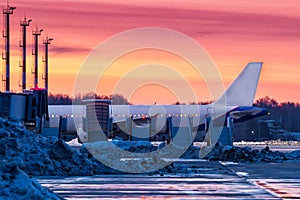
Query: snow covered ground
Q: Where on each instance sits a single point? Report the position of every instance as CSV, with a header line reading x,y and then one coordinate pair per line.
x,y
269,143
24,154
274,145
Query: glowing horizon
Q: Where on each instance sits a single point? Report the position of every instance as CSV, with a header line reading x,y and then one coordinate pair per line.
x,y
233,35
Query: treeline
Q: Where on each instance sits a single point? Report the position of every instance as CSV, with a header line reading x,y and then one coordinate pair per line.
x,y
287,113
64,99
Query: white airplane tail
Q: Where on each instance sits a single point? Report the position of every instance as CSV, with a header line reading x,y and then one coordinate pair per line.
x,y
242,91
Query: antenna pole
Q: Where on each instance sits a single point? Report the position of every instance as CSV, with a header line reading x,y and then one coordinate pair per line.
x,y
36,33
24,23
7,11
46,42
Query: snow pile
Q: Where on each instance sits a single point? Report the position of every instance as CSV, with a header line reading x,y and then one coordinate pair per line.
x,y
15,184
191,153
146,147
23,152
135,146
38,155
125,156
139,156
246,154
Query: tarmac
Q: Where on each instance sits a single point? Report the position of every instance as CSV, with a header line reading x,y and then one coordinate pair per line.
x,y
203,180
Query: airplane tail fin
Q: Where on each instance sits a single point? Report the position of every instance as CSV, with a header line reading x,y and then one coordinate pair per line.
x,y
242,91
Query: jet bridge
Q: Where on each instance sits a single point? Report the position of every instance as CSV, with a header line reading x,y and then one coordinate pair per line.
x,y
98,121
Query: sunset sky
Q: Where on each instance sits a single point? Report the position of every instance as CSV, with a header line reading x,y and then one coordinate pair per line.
x,y
232,32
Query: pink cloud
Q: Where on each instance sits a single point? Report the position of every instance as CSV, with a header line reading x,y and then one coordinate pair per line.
x,y
98,17
233,33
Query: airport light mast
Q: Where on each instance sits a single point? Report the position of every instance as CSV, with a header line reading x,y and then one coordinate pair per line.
x,y
46,42
36,33
7,11
24,23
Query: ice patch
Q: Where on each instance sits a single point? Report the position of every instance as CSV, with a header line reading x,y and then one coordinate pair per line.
x,y
228,163
242,173
74,143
